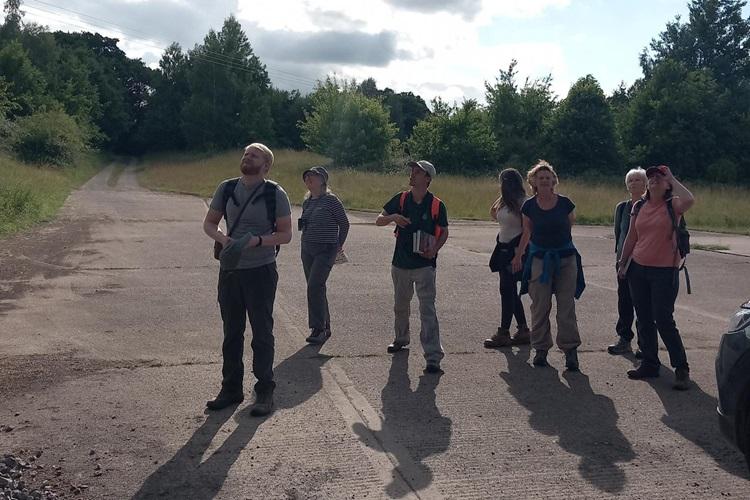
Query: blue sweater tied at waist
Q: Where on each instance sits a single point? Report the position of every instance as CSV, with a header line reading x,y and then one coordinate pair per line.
x,y
551,265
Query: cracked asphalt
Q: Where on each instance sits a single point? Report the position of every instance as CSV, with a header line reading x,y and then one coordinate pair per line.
x,y
110,345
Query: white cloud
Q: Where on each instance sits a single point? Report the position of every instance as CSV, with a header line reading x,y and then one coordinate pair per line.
x,y
430,48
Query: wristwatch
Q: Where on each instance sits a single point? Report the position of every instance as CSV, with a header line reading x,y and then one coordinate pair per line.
x,y
260,241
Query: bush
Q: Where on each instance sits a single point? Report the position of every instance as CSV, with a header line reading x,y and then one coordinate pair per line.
x,y
347,126
456,139
724,171
49,137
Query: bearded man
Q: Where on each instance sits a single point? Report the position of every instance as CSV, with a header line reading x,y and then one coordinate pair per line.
x,y
258,216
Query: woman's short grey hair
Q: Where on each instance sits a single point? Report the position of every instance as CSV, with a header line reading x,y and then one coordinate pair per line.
x,y
635,172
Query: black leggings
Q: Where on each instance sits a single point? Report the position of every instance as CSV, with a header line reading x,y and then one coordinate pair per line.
x,y
510,302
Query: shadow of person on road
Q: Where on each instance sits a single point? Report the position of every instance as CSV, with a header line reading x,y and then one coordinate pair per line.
x,y
185,475
585,422
412,428
692,414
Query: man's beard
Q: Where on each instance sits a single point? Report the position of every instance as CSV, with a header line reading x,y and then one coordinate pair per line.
x,y
249,169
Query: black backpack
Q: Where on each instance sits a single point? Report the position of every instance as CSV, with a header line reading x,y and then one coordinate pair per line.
x,y
683,236
268,194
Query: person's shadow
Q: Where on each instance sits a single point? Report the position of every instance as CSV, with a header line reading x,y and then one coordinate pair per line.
x,y
412,428
585,422
185,475
692,414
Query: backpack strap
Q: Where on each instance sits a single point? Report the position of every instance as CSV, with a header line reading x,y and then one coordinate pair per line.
x,y
227,193
402,201
401,204
637,207
269,196
672,215
435,212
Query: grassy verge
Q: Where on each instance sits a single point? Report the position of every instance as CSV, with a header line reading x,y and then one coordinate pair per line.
x,y
719,208
31,194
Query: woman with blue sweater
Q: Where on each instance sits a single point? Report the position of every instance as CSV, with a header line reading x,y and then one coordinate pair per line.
x,y
324,227
553,265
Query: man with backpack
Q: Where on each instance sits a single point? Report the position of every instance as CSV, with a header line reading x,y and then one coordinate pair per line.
x,y
258,218
421,221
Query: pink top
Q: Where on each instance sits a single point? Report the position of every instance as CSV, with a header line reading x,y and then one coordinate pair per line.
x,y
657,242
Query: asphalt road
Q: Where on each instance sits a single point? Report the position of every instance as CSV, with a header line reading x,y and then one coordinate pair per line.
x,y
110,345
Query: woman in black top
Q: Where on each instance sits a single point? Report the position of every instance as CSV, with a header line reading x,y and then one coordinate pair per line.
x,y
324,227
552,267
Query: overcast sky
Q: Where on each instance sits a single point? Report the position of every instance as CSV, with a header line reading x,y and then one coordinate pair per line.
x,y
446,48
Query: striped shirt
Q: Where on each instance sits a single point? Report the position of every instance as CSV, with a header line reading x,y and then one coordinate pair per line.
x,y
325,220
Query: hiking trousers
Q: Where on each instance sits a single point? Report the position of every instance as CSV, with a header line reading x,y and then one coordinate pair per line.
x,y
654,291
317,262
561,284
405,281
248,293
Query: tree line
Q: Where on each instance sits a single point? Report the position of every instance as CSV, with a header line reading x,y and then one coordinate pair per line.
x,y
63,92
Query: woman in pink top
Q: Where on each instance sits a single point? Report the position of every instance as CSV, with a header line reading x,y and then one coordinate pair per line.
x,y
650,259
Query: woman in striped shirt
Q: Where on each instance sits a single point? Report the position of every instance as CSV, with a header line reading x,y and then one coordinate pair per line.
x,y
324,227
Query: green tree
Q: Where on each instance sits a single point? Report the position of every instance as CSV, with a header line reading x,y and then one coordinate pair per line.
x,y
713,47
456,139
66,73
518,115
347,126
161,129
26,85
677,118
581,133
6,104
716,37
288,110
122,87
11,28
228,104
406,110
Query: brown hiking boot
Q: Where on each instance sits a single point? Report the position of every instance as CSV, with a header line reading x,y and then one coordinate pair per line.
x,y
522,336
500,339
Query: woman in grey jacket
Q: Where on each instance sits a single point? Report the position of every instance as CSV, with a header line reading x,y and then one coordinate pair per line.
x,y
324,227
635,182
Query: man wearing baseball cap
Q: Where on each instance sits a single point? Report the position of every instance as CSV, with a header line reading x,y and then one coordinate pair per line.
x,y
421,221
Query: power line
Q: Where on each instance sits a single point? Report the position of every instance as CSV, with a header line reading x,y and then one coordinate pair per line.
x,y
208,55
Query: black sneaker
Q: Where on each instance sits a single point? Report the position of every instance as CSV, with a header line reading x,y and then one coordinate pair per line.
x,y
224,400
571,360
319,337
681,379
433,368
621,347
263,404
643,372
395,347
540,358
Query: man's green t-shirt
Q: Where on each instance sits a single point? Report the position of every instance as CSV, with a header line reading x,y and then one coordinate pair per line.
x,y
421,219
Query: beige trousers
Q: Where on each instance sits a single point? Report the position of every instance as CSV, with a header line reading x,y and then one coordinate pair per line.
x,y
562,285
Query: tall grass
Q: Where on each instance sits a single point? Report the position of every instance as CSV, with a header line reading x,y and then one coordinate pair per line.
x,y
30,194
718,208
